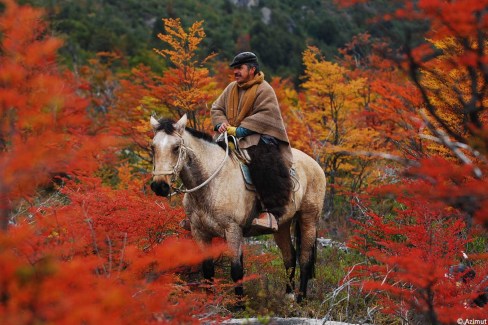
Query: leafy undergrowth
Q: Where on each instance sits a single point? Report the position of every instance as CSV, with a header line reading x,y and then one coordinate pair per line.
x,y
95,254
331,294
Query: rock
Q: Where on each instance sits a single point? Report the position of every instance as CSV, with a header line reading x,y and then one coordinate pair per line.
x,y
326,242
282,321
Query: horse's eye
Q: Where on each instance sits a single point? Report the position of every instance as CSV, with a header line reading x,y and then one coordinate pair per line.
x,y
175,149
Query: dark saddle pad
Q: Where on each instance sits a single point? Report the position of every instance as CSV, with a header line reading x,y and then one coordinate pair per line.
x,y
243,158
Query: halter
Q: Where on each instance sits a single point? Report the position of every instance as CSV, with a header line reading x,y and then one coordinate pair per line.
x,y
182,154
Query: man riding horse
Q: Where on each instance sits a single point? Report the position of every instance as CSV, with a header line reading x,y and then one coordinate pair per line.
x,y
248,109
216,198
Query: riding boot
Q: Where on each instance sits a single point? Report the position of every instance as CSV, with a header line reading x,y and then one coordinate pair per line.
x,y
271,179
265,221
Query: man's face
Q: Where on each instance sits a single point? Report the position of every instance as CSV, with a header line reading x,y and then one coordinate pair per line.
x,y
243,74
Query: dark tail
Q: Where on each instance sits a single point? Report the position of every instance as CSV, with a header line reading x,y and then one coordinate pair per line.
x,y
313,258
298,247
298,240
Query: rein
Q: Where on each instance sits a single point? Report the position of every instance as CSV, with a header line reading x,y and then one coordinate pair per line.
x,y
179,166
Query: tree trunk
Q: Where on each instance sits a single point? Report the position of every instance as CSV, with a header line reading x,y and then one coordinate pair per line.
x,y
4,213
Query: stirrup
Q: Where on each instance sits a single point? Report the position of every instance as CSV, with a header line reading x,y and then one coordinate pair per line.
x,y
185,224
265,221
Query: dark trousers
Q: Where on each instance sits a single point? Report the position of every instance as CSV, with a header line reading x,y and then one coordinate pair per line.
x,y
270,175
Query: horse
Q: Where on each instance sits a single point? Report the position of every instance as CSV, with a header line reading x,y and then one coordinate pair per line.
x,y
218,204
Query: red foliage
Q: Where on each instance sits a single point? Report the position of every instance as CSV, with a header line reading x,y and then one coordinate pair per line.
x,y
434,92
43,128
409,267
90,253
108,257
412,248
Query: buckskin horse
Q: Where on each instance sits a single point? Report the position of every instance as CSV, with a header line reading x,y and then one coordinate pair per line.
x,y
218,204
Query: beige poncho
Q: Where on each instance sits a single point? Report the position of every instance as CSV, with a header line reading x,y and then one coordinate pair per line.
x,y
264,117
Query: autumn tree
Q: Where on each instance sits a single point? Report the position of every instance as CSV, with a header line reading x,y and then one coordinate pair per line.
x,y
187,86
449,74
332,106
44,128
431,111
94,253
110,256
412,256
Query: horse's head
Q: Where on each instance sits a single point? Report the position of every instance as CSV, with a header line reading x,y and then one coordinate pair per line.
x,y
168,153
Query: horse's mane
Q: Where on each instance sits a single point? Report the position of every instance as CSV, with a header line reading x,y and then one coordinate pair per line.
x,y
167,126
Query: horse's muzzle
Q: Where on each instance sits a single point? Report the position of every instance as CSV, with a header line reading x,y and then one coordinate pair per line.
x,y
161,188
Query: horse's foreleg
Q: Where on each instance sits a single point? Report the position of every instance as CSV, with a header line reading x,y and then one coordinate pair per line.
x,y
234,240
308,233
283,240
237,273
208,269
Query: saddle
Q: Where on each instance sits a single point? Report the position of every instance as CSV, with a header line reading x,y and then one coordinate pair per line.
x,y
243,158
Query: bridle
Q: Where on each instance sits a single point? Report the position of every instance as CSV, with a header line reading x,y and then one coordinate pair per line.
x,y
182,154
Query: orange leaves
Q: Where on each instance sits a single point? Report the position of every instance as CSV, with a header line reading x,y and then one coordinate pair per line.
x,y
460,18
171,254
22,26
413,247
109,256
411,251
187,87
333,105
419,115
42,51
184,44
43,122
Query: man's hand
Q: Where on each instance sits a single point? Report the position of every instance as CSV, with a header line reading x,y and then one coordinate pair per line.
x,y
223,127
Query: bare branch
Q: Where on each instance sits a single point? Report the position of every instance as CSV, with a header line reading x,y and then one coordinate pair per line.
x,y
384,155
121,263
109,242
444,138
460,145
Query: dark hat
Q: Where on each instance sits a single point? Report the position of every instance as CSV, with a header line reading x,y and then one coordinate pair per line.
x,y
244,57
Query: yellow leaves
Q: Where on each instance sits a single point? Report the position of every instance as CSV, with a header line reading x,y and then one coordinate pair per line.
x,y
149,105
184,44
187,87
452,83
333,97
124,174
334,106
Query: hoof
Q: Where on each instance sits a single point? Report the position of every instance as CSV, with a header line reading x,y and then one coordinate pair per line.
x,y
185,224
237,308
290,296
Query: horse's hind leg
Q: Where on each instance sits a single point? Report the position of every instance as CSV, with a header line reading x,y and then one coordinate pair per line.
x,y
234,238
308,233
208,269
283,240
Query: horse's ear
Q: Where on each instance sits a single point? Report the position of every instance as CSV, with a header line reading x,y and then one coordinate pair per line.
x,y
154,123
180,125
